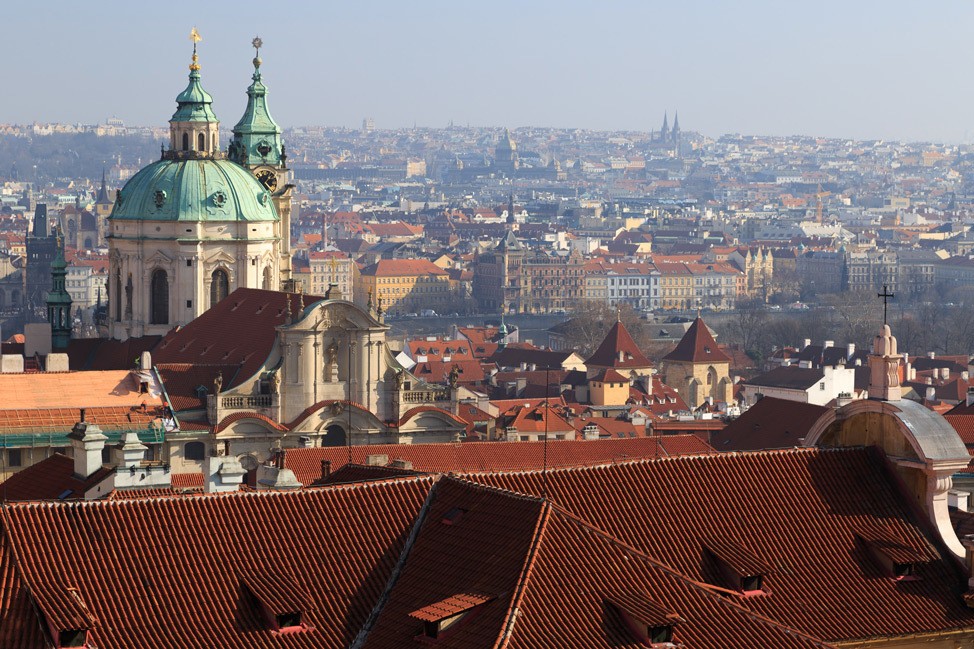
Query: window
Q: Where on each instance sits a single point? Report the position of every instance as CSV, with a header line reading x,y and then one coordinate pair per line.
x,y
159,304
185,141
201,142
195,451
73,638
821,386
15,457
117,306
219,286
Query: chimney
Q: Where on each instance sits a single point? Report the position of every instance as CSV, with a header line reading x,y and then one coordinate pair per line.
x,y
931,355
970,397
376,460
931,393
850,351
222,473
130,452
806,343
325,469
965,375
402,464
828,343
945,373
590,432
87,442
928,381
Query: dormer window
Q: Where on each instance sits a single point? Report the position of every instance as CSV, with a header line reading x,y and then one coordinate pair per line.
x,y
738,568
441,618
895,556
65,615
648,621
282,603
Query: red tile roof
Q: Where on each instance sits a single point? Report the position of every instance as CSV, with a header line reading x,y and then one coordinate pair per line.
x,y
252,314
618,341
184,380
476,457
697,346
168,572
545,580
800,511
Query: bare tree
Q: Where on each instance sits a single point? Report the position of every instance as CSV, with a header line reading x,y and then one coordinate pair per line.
x,y
745,327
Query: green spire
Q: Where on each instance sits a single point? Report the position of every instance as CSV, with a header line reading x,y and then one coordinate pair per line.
x,y
194,103
256,137
59,300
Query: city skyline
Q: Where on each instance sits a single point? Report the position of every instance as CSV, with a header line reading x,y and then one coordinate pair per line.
x,y
868,71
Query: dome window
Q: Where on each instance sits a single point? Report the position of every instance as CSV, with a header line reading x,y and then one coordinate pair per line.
x,y
160,197
219,199
262,197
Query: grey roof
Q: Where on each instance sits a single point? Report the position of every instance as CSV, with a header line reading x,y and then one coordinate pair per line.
x,y
937,439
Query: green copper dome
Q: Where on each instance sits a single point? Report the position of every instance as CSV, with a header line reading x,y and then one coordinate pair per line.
x,y
194,190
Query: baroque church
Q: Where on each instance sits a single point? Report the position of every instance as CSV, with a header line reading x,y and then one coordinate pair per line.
x,y
199,223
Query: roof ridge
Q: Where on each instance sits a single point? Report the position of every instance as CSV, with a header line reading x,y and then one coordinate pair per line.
x,y
527,570
258,493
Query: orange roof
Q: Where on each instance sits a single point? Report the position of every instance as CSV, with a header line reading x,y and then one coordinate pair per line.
x,y
403,268
72,390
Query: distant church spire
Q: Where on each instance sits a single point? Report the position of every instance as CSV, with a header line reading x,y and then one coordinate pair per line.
x,y
510,210
256,137
59,300
664,133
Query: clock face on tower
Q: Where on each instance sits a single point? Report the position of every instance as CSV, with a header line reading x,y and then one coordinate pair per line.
x,y
267,178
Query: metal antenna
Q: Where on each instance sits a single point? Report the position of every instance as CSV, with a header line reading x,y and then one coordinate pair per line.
x,y
348,437
547,412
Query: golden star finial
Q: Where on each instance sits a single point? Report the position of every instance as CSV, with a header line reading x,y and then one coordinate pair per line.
x,y
195,36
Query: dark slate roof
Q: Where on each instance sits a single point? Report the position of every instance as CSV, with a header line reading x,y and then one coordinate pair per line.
x,y
770,423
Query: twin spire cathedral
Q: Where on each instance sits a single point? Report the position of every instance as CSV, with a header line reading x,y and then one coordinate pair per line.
x,y
198,223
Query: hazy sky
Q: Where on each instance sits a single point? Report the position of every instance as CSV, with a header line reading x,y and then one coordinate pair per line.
x,y
861,69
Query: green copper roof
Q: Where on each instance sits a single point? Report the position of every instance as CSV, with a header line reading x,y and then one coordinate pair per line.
x,y
194,103
256,137
194,190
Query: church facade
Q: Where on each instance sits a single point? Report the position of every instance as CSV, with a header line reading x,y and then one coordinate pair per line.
x,y
199,223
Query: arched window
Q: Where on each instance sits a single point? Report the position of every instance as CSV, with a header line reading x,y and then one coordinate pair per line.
x,y
128,298
219,286
334,436
116,300
3,298
195,451
159,298
268,275
15,298
185,141
202,142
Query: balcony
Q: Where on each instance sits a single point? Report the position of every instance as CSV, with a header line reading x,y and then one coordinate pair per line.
x,y
425,396
246,403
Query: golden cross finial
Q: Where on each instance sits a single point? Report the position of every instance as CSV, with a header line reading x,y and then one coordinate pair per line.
x,y
196,38
257,43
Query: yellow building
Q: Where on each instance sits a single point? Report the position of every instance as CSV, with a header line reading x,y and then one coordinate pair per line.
x,y
608,388
406,286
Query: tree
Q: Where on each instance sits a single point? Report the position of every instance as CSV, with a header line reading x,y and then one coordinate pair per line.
x,y
745,327
590,321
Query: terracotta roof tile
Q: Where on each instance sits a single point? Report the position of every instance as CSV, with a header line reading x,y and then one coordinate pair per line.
x,y
618,343
697,346
800,511
186,559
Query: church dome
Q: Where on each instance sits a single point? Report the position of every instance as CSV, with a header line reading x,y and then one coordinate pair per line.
x,y
201,189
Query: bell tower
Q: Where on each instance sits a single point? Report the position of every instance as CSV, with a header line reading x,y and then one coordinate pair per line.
x,y
257,145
